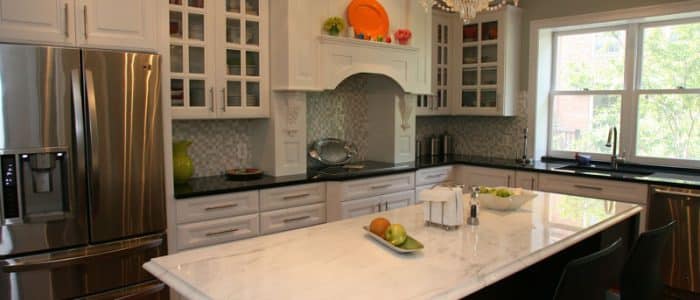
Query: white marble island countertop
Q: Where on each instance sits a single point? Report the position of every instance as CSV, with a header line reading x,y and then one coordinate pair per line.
x,y
338,261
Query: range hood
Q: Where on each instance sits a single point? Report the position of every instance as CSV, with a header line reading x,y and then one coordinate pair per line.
x,y
306,59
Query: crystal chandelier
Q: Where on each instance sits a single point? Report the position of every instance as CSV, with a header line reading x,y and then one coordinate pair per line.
x,y
467,9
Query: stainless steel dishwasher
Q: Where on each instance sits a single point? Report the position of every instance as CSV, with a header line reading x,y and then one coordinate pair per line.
x,y
681,262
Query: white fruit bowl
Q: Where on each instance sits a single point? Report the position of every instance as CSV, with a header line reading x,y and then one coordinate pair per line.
x,y
514,202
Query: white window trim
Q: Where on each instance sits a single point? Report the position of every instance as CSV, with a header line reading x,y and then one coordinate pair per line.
x,y
541,75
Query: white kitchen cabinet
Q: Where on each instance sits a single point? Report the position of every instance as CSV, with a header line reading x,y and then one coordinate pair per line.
x,y
292,218
128,24
361,207
109,24
292,196
217,231
37,21
216,207
428,178
480,176
443,53
490,51
526,180
218,54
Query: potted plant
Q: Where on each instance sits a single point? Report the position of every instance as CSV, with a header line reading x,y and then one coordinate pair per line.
x,y
334,25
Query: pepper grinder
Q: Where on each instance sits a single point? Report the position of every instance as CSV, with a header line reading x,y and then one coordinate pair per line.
x,y
473,209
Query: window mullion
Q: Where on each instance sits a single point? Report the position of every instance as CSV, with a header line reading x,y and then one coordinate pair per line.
x,y
628,118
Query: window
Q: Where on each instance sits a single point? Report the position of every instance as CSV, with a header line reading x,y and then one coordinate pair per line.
x,y
589,82
668,117
643,78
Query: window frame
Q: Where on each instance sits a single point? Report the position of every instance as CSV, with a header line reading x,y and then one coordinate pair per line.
x,y
553,92
630,94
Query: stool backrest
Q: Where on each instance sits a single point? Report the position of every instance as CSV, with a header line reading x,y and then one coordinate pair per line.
x,y
589,277
641,274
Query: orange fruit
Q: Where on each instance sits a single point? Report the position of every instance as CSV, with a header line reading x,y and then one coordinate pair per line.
x,y
379,226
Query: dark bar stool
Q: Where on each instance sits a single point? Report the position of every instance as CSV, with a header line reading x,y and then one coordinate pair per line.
x,y
641,274
588,277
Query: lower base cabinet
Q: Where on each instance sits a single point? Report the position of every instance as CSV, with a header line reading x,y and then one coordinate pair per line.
x,y
217,231
366,206
292,218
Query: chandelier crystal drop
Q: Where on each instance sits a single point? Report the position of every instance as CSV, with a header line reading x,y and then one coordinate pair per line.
x,y
467,9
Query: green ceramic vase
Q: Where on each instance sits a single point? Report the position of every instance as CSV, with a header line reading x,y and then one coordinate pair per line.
x,y
182,164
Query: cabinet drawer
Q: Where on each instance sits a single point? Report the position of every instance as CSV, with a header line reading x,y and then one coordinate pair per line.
x,y
216,231
360,207
292,196
378,186
291,218
214,207
398,200
595,188
434,175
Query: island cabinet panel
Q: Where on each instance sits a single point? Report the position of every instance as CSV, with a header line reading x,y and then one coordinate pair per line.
x,y
292,218
526,180
598,188
216,231
297,195
480,176
214,207
377,186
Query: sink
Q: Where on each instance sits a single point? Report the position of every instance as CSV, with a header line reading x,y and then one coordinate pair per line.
x,y
606,170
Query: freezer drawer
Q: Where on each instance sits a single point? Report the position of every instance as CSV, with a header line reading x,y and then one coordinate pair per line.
x,y
81,271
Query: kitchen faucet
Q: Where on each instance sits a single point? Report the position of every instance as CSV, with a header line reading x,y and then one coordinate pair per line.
x,y
615,159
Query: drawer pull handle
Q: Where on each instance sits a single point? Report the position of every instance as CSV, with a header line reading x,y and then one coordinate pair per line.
x,y
434,176
297,219
220,207
296,196
588,187
376,187
215,233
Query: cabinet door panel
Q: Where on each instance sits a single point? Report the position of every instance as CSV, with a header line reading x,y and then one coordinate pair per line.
x,y
526,180
487,177
360,207
37,21
120,24
398,200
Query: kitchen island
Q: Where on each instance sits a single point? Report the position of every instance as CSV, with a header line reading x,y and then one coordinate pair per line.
x,y
339,260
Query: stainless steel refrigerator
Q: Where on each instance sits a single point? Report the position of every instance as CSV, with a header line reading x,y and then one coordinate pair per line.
x,y
81,151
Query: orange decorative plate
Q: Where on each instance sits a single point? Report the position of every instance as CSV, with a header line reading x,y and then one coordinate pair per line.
x,y
368,17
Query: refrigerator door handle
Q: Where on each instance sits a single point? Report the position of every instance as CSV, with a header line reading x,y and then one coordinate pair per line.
x,y
79,127
94,134
82,255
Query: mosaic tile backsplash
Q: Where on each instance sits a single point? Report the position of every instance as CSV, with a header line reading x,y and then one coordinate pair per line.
x,y
217,145
499,137
340,113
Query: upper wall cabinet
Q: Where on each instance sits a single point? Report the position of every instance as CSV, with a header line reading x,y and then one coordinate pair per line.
x,y
116,24
489,51
218,58
112,24
443,53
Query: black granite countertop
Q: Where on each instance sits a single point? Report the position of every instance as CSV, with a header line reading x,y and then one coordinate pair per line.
x,y
219,184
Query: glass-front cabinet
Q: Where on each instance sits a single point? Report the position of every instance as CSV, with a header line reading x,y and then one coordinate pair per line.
x,y
444,47
489,64
218,59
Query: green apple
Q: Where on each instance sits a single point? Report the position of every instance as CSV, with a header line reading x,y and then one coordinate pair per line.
x,y
395,234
